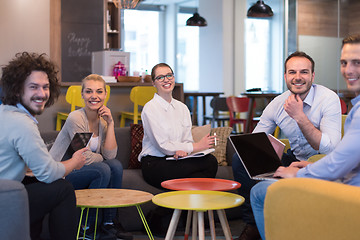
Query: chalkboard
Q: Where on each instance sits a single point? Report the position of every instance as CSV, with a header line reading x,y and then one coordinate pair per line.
x,y
81,34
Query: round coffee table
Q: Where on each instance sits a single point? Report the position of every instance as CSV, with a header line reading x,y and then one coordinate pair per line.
x,y
198,201
212,184
111,198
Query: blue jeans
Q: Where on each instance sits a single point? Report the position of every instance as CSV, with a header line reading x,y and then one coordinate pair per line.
x,y
257,198
106,174
241,176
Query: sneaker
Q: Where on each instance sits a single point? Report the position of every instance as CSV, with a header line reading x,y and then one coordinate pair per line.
x,y
118,231
89,234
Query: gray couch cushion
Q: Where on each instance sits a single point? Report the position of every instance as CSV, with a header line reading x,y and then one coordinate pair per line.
x,y
14,209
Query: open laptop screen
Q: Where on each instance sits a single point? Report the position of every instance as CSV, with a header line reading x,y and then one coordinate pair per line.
x,y
256,152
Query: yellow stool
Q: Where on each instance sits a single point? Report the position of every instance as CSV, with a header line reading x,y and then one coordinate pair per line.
x,y
198,201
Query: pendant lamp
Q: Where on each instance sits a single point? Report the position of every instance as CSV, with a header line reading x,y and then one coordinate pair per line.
x,y
196,20
260,10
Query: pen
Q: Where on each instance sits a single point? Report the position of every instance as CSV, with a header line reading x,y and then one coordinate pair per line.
x,y
215,138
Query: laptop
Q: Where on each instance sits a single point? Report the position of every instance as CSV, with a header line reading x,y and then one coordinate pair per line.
x,y
79,141
259,153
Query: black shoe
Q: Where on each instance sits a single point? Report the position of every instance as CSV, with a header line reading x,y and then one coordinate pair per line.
x,y
89,234
250,233
116,230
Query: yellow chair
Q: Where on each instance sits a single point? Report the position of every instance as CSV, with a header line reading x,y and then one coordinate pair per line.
x,y
139,96
343,118
304,208
73,97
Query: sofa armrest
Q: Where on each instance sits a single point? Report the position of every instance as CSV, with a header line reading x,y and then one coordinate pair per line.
x,y
14,208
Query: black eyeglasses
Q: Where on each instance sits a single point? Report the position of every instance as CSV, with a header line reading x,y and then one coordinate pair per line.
x,y
161,78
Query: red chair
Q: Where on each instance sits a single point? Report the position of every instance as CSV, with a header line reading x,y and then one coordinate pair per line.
x,y
236,106
343,106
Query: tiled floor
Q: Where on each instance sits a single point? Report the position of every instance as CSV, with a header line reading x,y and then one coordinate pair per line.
x,y
236,227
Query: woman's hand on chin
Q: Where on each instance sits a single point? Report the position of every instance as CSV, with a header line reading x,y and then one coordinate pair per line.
x,y
105,113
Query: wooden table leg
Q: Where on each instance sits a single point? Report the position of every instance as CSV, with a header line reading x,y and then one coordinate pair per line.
x,y
195,112
249,115
224,224
204,109
187,227
194,226
173,224
212,224
201,225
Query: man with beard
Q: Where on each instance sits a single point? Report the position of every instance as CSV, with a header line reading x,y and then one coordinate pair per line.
x,y
309,115
343,163
29,83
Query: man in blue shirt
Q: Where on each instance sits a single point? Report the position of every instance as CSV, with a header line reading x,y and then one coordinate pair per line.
x,y
343,163
29,85
309,115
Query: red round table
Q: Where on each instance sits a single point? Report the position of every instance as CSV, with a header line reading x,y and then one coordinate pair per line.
x,y
213,184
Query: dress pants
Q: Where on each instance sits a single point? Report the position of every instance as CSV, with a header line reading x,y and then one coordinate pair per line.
x,y
56,199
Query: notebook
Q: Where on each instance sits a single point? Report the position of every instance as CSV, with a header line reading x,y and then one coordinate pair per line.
x,y
259,153
197,154
79,141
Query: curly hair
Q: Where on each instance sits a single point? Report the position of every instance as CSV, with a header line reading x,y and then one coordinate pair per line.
x,y
15,73
156,67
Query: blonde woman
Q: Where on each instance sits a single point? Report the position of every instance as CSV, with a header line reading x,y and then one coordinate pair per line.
x,y
101,169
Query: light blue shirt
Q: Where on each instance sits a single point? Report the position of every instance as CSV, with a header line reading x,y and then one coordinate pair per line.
x,y
321,106
345,159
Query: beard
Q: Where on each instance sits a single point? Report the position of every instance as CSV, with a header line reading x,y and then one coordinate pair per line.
x,y
36,111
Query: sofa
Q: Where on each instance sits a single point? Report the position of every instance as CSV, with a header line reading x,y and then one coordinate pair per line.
x,y
132,178
14,208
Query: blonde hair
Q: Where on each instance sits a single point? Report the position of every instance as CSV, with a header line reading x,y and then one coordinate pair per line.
x,y
94,77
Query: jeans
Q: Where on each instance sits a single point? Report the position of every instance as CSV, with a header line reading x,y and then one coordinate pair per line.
x,y
106,174
257,197
241,176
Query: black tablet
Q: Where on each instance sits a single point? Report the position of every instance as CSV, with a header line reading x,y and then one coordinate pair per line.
x,y
79,141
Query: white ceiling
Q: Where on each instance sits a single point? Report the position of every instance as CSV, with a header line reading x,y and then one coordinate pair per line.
x,y
183,3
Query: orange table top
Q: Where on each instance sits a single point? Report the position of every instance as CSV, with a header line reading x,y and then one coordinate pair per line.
x,y
214,184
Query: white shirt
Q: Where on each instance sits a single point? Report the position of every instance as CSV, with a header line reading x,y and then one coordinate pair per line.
x,y
167,128
321,106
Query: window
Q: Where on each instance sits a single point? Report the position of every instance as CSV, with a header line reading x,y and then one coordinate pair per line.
x,y
257,56
141,39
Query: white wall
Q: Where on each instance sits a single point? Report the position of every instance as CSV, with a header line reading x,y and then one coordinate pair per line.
x,y
326,53
211,42
25,26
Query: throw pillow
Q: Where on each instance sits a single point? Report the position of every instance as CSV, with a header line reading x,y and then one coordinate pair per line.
x,y
198,132
137,134
222,133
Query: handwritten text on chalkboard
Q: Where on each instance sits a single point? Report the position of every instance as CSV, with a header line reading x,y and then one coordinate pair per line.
x,y
78,46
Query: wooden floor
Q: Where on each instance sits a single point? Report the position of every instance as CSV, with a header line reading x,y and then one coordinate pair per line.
x,y
236,227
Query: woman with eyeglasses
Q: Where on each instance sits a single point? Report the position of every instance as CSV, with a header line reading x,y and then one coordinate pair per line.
x,y
167,132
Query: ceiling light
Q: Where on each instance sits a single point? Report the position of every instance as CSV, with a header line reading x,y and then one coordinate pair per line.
x,y
260,10
196,20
